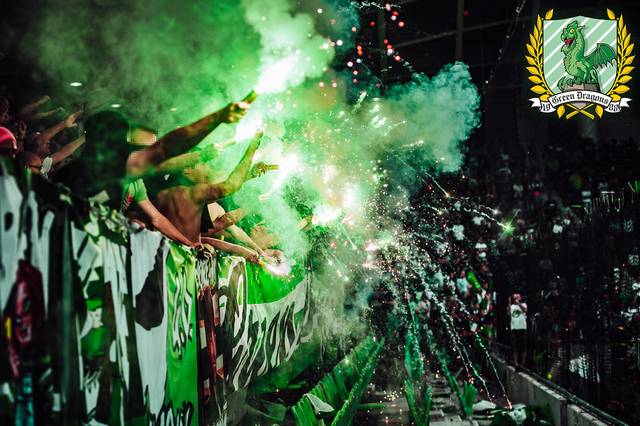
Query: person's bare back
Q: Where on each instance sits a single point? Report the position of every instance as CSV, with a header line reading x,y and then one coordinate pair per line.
x,y
183,205
178,205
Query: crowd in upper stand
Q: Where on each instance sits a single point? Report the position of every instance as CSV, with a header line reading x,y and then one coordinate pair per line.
x,y
571,248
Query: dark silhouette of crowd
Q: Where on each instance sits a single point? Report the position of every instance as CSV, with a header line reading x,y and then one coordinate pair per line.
x,y
566,238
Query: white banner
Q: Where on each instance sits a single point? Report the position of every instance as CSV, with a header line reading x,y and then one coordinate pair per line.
x,y
588,96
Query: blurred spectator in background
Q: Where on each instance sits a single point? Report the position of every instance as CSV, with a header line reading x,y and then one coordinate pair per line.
x,y
28,112
518,313
37,155
8,144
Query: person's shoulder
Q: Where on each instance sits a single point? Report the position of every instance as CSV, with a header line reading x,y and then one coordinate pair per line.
x,y
136,163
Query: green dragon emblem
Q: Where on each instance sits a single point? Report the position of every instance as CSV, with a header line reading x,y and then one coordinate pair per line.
x,y
582,69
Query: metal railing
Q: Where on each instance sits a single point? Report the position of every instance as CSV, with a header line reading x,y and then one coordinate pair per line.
x,y
504,352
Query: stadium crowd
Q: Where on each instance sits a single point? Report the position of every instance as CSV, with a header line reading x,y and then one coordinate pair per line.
x,y
562,232
158,182
564,237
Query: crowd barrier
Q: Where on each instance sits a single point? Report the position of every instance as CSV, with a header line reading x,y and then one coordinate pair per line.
x,y
103,325
524,388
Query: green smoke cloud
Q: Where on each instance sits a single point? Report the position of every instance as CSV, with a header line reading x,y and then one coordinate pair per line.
x,y
356,163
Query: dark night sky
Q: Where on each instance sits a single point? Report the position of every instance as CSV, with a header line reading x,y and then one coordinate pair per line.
x,y
507,114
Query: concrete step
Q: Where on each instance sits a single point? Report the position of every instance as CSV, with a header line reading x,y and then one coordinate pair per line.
x,y
436,414
450,409
394,413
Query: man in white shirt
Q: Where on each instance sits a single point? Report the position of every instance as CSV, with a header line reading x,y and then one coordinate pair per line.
x,y
517,311
458,232
462,283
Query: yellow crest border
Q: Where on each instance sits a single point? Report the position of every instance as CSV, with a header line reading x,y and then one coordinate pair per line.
x,y
624,59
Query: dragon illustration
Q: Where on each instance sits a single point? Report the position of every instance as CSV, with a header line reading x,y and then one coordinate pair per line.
x,y
582,69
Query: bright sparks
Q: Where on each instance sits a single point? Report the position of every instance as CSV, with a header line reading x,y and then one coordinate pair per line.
x,y
287,165
248,127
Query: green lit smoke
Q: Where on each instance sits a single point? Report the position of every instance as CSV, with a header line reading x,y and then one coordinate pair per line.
x,y
291,51
354,164
149,56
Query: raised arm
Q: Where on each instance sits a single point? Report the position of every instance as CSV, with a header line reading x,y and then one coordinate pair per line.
x,y
27,112
41,115
43,166
183,161
184,138
181,140
203,192
68,122
67,150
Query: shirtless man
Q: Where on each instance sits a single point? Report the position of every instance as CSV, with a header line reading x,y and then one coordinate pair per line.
x,y
183,205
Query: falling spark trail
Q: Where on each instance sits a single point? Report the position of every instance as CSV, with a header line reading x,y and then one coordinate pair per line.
x,y
487,356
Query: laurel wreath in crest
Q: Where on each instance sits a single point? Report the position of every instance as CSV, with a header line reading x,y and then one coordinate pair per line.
x,y
623,67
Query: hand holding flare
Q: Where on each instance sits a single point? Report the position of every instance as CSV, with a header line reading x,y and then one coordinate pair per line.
x,y
261,168
234,111
250,97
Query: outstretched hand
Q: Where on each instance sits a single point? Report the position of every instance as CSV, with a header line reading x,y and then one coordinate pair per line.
x,y
204,250
250,97
274,254
261,168
70,121
252,257
233,112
